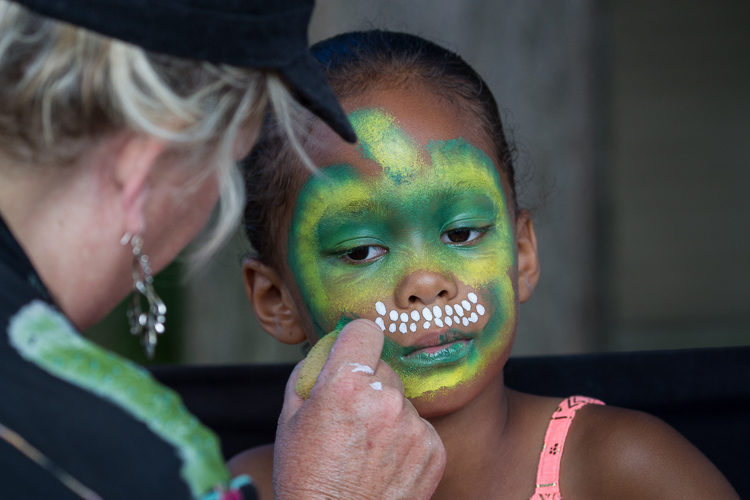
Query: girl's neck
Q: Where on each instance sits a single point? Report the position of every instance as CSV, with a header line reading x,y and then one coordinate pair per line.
x,y
484,441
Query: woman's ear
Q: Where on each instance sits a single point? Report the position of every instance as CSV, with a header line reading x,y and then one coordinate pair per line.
x,y
528,258
135,161
273,305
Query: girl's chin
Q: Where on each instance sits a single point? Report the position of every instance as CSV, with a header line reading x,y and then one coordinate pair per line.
x,y
446,400
439,403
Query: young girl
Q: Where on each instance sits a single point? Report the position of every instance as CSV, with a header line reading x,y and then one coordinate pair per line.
x,y
416,228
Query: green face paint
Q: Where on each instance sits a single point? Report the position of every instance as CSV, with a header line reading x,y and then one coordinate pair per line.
x,y
432,214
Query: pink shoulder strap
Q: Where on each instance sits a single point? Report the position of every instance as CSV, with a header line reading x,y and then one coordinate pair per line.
x,y
548,474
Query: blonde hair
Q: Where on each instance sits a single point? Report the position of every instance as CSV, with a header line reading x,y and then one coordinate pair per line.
x,y
63,87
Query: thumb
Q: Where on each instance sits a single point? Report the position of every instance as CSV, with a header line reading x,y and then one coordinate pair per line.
x,y
292,401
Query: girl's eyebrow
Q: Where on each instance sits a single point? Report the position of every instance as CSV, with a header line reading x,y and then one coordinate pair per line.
x,y
459,190
362,207
454,191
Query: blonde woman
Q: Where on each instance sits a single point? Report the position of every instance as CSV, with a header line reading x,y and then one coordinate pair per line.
x,y
120,124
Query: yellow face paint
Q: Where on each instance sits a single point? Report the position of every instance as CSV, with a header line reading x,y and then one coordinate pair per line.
x,y
382,140
359,242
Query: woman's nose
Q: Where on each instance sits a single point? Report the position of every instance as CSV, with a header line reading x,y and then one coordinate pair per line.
x,y
425,287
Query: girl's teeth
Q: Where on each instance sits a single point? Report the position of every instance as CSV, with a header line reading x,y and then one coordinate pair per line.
x,y
460,314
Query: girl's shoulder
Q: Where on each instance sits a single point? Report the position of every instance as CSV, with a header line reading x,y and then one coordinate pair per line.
x,y
258,464
613,453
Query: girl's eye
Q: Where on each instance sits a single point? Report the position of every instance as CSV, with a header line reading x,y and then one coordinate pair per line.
x,y
462,235
364,253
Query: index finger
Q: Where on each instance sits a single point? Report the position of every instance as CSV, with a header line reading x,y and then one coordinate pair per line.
x,y
360,341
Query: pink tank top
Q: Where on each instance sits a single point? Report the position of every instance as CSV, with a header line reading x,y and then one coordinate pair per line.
x,y
548,474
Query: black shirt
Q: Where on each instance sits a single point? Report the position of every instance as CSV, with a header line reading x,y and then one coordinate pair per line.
x,y
76,419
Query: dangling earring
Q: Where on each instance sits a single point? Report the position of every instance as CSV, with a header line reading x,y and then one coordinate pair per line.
x,y
148,324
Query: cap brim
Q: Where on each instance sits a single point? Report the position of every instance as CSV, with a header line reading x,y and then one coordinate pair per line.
x,y
311,89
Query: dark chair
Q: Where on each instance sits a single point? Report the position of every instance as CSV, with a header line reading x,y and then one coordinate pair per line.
x,y
703,393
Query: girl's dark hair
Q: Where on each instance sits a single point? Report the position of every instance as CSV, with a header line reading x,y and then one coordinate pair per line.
x,y
356,63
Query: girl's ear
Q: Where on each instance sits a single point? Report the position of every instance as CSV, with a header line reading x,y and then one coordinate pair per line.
x,y
528,258
273,305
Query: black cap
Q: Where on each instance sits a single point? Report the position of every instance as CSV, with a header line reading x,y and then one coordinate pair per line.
x,y
247,33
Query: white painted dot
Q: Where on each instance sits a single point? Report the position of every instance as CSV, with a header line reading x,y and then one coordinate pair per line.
x,y
415,315
426,325
427,314
473,318
404,317
380,323
466,321
439,322
480,309
456,319
466,305
394,315
378,386
413,327
392,328
459,310
437,312
380,308
402,328
473,297
448,321
448,310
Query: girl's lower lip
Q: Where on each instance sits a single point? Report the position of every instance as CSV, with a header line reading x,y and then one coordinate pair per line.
x,y
438,355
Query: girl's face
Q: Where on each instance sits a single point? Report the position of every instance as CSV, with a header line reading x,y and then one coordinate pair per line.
x,y
411,229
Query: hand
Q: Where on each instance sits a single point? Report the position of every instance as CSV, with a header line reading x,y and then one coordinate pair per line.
x,y
357,437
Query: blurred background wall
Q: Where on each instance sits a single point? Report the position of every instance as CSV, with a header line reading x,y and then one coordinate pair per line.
x,y
632,121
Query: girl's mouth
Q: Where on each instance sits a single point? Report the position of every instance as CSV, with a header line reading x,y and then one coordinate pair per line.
x,y
446,351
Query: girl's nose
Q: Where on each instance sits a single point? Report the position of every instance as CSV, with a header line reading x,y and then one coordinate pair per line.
x,y
425,287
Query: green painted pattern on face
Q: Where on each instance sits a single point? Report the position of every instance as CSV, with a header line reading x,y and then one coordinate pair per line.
x,y
422,193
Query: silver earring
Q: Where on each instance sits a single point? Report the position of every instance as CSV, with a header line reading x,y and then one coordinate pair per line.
x,y
146,324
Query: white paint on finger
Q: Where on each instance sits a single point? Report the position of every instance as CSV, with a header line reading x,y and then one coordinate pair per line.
x,y
361,368
377,386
